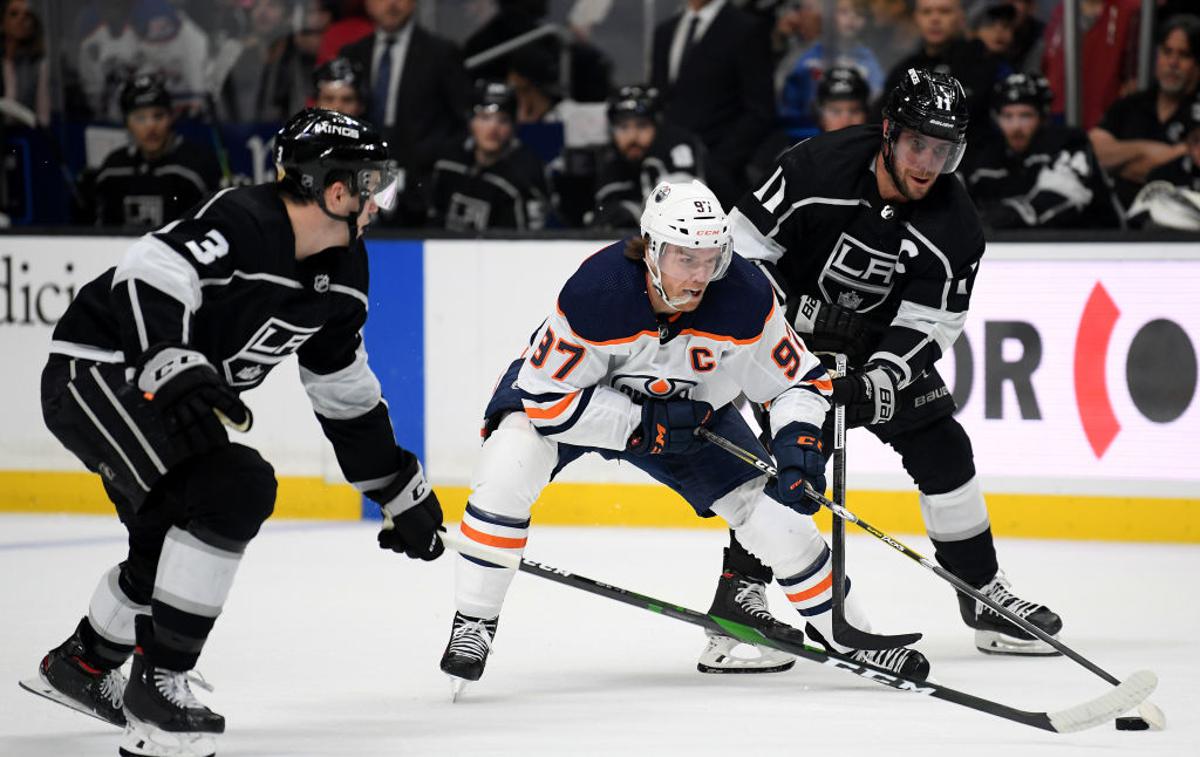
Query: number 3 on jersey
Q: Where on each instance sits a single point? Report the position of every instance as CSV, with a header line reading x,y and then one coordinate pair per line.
x,y
574,353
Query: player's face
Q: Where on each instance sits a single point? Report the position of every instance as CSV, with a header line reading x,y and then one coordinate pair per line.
x,y
686,273
149,128
918,160
838,114
937,20
339,96
1018,123
1175,66
632,137
492,131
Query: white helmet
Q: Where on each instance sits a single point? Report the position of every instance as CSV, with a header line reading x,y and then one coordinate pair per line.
x,y
688,215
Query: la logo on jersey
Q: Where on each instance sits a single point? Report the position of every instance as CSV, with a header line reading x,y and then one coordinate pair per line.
x,y
273,341
857,273
654,387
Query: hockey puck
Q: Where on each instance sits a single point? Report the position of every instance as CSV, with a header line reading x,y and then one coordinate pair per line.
x,y
1132,724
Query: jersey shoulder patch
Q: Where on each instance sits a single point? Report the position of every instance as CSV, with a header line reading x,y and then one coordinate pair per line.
x,y
605,300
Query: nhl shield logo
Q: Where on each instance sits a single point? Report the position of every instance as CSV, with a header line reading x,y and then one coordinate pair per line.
x,y
321,283
857,276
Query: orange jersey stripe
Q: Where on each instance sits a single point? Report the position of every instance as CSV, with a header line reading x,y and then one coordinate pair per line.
x,y
621,340
555,410
825,385
504,542
724,338
800,596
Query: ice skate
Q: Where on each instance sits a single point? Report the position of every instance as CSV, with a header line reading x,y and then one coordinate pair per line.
x,y
996,635
164,718
467,652
64,677
744,600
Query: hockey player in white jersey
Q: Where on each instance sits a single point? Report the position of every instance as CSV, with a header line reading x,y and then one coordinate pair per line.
x,y
651,338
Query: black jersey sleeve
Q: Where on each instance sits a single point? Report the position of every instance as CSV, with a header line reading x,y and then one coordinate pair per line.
x,y
347,398
158,285
939,267
764,222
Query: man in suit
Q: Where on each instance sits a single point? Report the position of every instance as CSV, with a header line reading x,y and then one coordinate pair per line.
x,y
712,62
418,93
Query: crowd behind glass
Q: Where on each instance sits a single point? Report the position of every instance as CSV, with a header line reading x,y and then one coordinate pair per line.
x,y
125,112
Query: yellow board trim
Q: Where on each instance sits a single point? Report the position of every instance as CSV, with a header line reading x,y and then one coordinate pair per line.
x,y
1056,516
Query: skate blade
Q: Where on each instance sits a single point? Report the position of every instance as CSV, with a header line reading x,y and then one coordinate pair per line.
x,y
145,740
39,687
991,642
718,657
457,686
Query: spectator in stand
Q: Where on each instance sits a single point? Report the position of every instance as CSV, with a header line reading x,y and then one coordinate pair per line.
x,y
797,25
349,26
591,69
26,71
1108,31
944,49
1037,174
797,99
254,70
1028,31
644,151
108,50
340,85
993,22
891,33
174,45
490,181
419,95
1185,171
712,65
1146,129
533,74
159,175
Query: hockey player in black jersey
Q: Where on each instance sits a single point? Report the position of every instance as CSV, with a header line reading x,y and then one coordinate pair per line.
x,y
876,253
159,174
1036,174
644,152
144,376
490,181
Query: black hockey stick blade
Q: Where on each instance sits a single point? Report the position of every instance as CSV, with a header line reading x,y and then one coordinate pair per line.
x,y
1102,709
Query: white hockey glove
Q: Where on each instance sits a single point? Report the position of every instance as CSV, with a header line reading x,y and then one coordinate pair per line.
x,y
869,395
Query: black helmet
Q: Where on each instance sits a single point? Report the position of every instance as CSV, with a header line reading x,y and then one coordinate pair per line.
x,y
318,147
144,91
342,71
1022,89
494,97
842,83
637,100
930,104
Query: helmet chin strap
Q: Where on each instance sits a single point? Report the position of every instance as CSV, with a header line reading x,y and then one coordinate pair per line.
x,y
351,220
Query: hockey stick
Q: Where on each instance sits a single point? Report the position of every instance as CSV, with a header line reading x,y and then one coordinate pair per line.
x,y
843,632
1149,711
1082,716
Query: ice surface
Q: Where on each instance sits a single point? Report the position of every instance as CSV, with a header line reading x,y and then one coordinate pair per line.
x,y
329,646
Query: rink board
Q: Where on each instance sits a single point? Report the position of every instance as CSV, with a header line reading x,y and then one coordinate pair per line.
x,y
1076,379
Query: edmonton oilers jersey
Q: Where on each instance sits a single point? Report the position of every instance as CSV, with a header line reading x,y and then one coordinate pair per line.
x,y
909,267
604,351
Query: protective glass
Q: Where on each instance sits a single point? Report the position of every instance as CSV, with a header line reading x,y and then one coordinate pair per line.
x,y
381,183
929,154
688,265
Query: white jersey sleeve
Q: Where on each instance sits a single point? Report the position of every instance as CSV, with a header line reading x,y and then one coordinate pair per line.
x,y
778,371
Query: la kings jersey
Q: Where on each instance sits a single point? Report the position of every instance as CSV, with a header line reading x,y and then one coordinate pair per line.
x,y
604,351
224,281
509,194
133,191
1056,183
908,267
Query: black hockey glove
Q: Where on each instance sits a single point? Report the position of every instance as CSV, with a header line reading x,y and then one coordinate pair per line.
x,y
669,427
190,397
826,327
799,460
412,516
869,395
